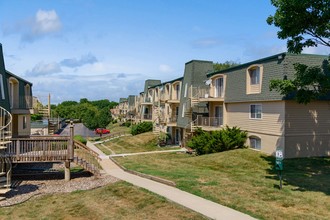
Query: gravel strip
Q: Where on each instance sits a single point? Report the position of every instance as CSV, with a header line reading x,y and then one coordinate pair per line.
x,y
26,189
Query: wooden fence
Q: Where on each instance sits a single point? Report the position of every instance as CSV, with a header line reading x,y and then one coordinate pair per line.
x,y
53,149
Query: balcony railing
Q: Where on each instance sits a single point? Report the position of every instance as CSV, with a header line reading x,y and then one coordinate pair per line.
x,y
147,116
23,102
173,119
208,121
197,92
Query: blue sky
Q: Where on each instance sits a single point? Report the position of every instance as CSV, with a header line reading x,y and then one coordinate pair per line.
x,y
106,49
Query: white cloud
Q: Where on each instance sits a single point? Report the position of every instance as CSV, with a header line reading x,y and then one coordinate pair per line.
x,y
46,22
320,49
45,69
43,23
74,62
74,87
165,68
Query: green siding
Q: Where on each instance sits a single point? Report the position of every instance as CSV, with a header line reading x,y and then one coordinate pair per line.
x,y
273,69
3,102
195,74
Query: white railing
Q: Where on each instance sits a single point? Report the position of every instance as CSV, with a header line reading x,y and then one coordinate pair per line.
x,y
5,126
208,121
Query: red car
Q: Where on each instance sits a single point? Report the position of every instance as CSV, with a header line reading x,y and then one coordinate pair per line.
x,y
102,131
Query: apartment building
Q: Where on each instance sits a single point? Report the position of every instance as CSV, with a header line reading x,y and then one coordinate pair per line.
x,y
240,96
15,105
16,98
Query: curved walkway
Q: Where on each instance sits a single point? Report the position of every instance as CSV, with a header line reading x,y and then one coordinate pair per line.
x,y
205,207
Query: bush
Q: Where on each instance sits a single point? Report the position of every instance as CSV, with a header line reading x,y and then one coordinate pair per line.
x,y
80,138
141,128
126,124
217,141
36,117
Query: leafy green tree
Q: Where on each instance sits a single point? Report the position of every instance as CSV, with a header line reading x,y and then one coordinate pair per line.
x,y
93,114
221,66
304,23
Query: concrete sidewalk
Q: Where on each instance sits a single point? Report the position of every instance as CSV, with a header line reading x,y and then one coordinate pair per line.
x,y
205,207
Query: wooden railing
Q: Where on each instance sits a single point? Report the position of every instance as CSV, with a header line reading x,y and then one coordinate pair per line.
x,y
53,149
39,149
87,158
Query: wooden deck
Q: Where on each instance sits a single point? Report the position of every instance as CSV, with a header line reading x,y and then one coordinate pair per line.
x,y
52,149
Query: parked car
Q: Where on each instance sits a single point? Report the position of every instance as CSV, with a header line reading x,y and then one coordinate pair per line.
x,y
102,131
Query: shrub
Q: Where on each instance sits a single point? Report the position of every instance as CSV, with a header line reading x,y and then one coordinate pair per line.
x,y
141,128
80,138
217,141
36,117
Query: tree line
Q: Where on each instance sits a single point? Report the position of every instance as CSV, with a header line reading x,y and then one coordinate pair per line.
x,y
93,114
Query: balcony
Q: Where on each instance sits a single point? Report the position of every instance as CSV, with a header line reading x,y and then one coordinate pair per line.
x,y
208,123
22,105
206,94
147,101
164,97
172,120
147,117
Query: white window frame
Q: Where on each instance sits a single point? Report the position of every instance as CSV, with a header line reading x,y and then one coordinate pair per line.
x,y
183,109
255,114
185,90
255,143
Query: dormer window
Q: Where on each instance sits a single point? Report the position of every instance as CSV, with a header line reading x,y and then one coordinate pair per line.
x,y
254,79
254,76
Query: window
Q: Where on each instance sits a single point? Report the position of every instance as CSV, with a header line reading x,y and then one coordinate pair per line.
x,y
218,88
255,111
254,76
177,91
255,143
24,122
183,109
2,88
185,90
254,79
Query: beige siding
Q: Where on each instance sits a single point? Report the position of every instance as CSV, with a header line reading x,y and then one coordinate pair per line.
x,y
313,118
270,128
269,143
272,121
254,89
307,129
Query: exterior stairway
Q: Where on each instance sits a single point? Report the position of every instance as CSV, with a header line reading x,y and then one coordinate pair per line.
x,y
5,162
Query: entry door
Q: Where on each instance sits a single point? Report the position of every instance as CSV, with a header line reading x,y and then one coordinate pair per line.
x,y
218,115
177,136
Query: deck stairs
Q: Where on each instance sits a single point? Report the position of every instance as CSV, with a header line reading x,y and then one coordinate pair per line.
x,y
5,162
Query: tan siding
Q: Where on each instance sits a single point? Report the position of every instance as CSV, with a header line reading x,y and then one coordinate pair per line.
x,y
272,122
269,143
307,129
254,89
313,118
307,146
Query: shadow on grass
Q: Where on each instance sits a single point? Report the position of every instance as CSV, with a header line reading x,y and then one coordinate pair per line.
x,y
305,174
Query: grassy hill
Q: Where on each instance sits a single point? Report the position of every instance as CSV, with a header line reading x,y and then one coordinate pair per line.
x,y
114,201
245,180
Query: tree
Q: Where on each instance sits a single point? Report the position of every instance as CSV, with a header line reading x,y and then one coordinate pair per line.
x,y
304,23
221,66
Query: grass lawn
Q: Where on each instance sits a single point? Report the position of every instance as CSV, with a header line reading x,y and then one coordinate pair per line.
x,y
114,128
245,180
133,144
114,201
